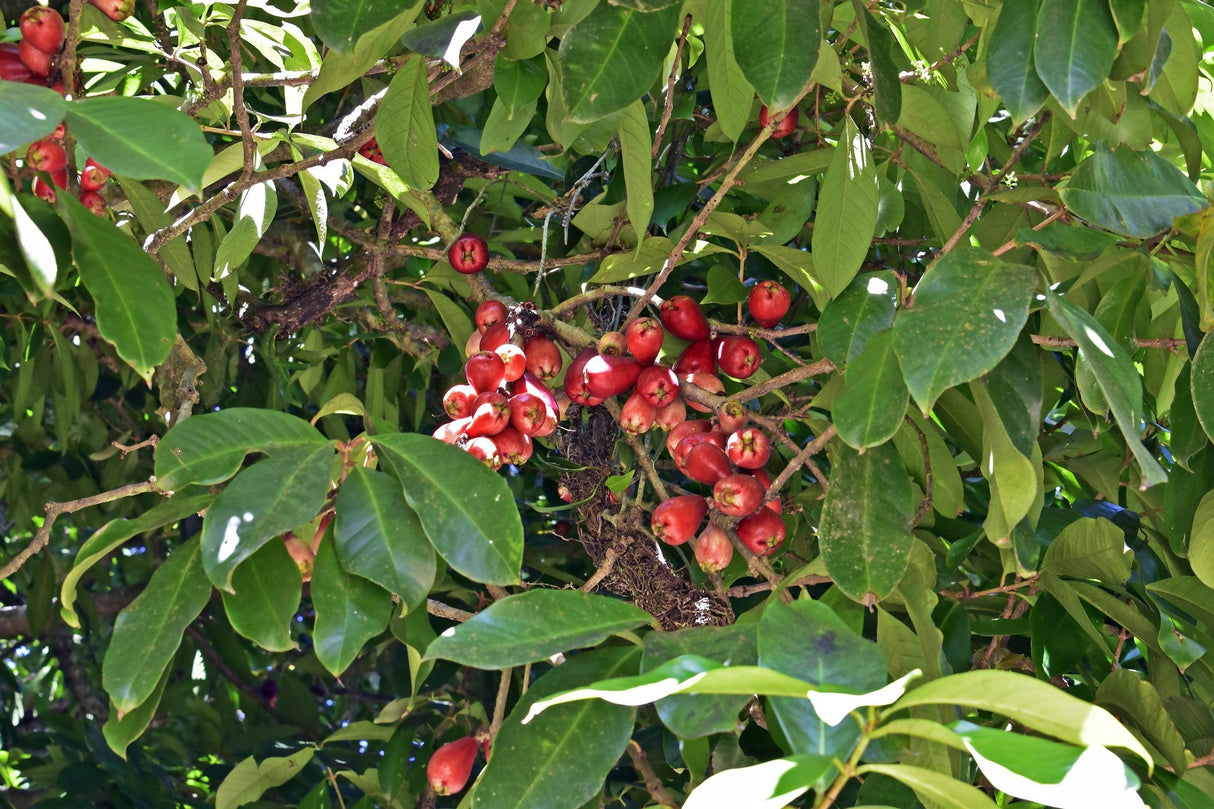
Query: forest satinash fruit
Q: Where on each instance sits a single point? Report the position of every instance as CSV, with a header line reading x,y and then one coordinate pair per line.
x,y
768,302
46,155
488,313
738,356
787,122
451,765
737,495
762,532
469,254
677,519
714,551
684,318
42,28
644,338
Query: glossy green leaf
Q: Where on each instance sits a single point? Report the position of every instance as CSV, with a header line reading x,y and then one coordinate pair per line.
x,y
863,309
404,126
340,23
1074,49
1009,60
847,212
611,58
1201,541
264,501
209,448
267,588
1090,549
113,534
777,49
693,716
149,631
865,533
1128,695
135,308
121,730
770,785
1201,385
1127,14
1015,388
249,780
533,626
1071,241
887,84
380,538
1188,593
731,92
27,113
871,407
444,36
968,310
339,69
349,611
140,138
468,512
561,759
636,144
1013,475
938,789
34,247
1132,193
1029,701
1116,375
1174,84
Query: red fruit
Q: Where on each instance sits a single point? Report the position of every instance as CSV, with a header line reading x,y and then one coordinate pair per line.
x,y
575,380
764,478
529,414
738,495
116,10
671,415
473,345
38,62
468,254
707,463
609,375
684,429
612,342
768,303
43,29
658,385
707,383
643,337
488,313
762,532
457,401
543,357
637,414
485,371
713,549
490,414
496,335
787,122
514,446
94,202
530,384
684,446
371,151
46,155
514,360
738,356
676,520
11,66
683,318
749,448
732,416
59,134
484,450
697,358
452,431
47,192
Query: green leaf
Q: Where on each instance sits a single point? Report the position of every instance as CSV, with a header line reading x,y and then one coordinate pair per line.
x,y
611,57
1132,193
141,139
1009,60
1070,241
380,538
532,626
443,37
27,113
770,785
340,23
1013,475
149,630
694,716
863,309
887,84
209,448
113,534
865,534
1090,549
468,511
267,588
36,248
1029,701
254,215
338,69
1116,375
935,788
847,211
1075,47
1126,694
871,407
731,92
264,501
967,312
349,611
723,286
1127,14
561,759
1189,594
635,148
776,49
248,780
1201,541
1201,385
120,731
404,126
135,309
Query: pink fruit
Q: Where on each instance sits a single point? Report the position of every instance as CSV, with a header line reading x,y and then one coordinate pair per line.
x,y
513,446
676,520
610,375
39,62
713,549
768,303
731,417
457,401
684,429
737,495
697,358
468,254
749,448
671,415
707,463
543,357
46,155
484,450
489,313
514,361
762,532
644,339
612,342
42,28
658,385
451,765
485,371
637,414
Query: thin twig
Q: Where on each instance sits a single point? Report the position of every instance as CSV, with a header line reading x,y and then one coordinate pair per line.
x,y
499,705
440,610
668,107
248,144
641,764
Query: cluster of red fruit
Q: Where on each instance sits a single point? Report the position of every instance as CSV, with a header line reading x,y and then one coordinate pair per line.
x,y
32,60
451,765
48,155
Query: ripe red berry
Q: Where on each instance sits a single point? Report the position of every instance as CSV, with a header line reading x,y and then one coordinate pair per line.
x,y
707,383
684,429
732,416
485,371
513,446
688,441
496,335
514,360
42,28
46,155
484,450
468,254
768,302
658,385
543,357
11,66
713,549
707,463
738,356
490,415
737,495
38,62
671,415
532,384
59,134
762,532
489,313
44,190
529,414
749,448
697,358
371,151
610,375
787,122
637,414
644,339
677,519
684,318
116,10
575,380
457,401
94,202
452,431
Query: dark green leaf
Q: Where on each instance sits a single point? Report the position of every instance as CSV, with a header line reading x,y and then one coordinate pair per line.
x,y
121,730
777,49
1090,549
1127,695
636,144
533,626
1075,47
1201,384
864,308
404,126
267,588
249,780
887,84
870,409
1127,14
444,36
693,716
468,512
1070,241
380,538
338,69
349,611
27,113
1009,61
732,94
341,22
935,788
723,286
149,631
847,212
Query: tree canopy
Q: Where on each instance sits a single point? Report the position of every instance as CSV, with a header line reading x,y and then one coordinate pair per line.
x,y
607,403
